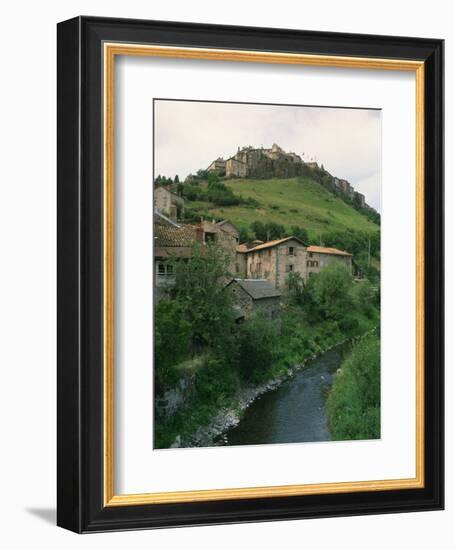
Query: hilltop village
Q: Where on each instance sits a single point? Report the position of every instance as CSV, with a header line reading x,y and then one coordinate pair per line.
x,y
260,163
258,270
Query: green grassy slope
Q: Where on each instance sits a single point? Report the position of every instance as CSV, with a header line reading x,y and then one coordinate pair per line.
x,y
295,201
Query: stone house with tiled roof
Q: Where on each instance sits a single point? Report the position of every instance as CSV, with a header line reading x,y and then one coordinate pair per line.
x,y
176,241
275,260
254,295
321,256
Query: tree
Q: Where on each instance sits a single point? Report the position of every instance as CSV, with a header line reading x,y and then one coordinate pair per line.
x,y
176,179
300,233
212,179
245,234
259,230
172,340
296,288
330,290
200,289
257,346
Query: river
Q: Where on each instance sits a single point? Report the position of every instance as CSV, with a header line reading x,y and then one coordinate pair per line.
x,y
295,411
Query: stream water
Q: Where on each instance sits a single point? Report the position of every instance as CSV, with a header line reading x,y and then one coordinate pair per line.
x,y
295,411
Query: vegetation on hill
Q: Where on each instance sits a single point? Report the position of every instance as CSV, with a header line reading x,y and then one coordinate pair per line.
x,y
290,202
277,208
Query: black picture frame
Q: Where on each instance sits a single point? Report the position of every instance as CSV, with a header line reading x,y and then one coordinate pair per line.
x,y
80,282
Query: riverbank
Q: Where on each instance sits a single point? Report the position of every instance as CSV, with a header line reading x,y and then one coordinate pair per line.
x,y
353,405
230,416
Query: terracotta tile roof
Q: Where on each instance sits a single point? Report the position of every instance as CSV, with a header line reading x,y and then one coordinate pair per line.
x,y
242,248
270,244
169,252
167,235
325,250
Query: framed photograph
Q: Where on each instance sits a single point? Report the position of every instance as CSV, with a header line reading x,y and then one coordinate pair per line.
x,y
250,274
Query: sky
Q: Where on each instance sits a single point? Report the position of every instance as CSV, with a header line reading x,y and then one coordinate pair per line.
x,y
190,135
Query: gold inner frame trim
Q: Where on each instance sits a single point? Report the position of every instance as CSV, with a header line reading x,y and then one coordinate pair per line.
x,y
110,51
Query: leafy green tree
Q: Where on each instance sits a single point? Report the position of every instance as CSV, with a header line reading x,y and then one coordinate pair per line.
x,y
221,195
296,288
172,340
330,290
257,346
259,230
176,179
245,234
202,174
268,231
300,232
212,179
274,230
199,288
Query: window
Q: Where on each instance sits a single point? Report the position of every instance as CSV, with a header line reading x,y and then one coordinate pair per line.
x,y
290,267
270,251
164,269
209,237
312,263
291,251
310,254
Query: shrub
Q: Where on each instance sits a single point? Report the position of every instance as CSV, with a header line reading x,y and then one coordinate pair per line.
x,y
257,347
353,405
215,382
172,341
329,291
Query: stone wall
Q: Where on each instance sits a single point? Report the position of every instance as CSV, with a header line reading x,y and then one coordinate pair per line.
x,y
241,298
269,306
235,168
324,260
240,265
170,401
284,260
273,263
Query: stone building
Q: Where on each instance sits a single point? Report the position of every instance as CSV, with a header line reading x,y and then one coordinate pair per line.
x,y
173,241
168,203
254,295
218,165
275,260
252,162
261,163
321,256
223,233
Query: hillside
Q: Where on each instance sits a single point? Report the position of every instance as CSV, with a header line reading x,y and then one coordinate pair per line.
x,y
291,202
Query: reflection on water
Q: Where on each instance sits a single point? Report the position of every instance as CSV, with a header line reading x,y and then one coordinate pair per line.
x,y
295,411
